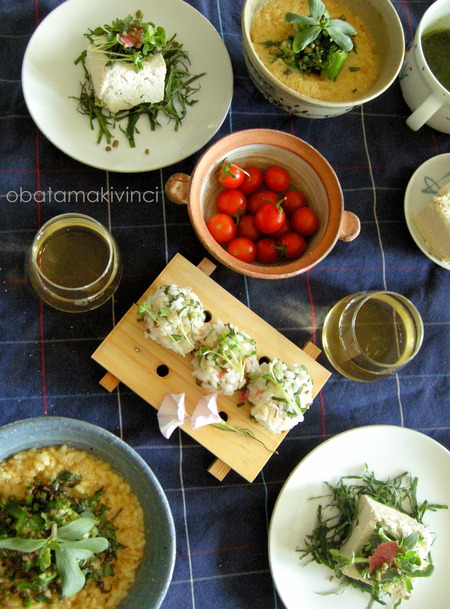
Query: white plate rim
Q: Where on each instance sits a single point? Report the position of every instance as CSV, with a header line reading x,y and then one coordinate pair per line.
x,y
298,585
435,166
49,102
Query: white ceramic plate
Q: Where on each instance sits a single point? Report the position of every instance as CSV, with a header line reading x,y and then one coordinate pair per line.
x,y
50,78
388,451
423,185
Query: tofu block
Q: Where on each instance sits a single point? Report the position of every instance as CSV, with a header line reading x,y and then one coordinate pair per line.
x,y
372,513
433,223
120,87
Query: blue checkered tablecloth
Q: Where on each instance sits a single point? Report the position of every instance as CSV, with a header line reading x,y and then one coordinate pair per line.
x,y
45,362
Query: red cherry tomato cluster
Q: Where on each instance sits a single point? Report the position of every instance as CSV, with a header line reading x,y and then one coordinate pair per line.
x,y
260,215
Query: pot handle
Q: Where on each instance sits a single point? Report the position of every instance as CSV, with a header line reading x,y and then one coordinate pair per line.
x,y
177,188
350,226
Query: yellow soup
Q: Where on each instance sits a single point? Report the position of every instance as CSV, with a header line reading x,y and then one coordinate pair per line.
x,y
46,463
359,73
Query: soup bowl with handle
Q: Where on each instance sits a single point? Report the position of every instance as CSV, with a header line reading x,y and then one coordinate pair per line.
x,y
425,95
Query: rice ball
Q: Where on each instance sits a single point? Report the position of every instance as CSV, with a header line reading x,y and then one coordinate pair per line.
x,y
279,395
174,317
224,358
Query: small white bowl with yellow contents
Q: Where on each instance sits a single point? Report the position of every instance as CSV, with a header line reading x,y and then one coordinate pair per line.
x,y
369,69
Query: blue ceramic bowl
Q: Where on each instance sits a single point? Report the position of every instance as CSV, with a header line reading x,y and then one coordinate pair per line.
x,y
155,571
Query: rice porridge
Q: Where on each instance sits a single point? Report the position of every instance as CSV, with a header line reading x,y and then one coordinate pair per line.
x,y
124,512
359,72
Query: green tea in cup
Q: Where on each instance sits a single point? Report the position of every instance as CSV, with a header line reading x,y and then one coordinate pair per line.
x,y
436,49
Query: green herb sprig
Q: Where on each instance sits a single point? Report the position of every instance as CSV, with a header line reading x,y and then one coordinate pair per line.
x,y
229,351
128,39
244,431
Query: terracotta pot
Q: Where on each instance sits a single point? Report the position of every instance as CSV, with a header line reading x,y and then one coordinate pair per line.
x,y
310,173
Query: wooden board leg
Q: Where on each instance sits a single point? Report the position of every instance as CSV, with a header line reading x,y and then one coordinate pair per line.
x,y
206,266
219,469
311,349
109,382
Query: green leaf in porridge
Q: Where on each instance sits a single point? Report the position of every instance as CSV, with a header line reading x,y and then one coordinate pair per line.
x,y
54,541
320,45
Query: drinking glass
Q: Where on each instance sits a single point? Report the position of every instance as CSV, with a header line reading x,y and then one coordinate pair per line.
x,y
74,263
370,335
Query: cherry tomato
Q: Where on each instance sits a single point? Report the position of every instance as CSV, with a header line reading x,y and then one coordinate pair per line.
x,y
259,198
230,175
286,228
277,178
231,202
293,199
246,228
222,227
292,245
305,221
242,248
267,250
269,218
252,181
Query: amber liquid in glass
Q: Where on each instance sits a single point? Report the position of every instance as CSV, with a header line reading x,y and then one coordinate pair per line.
x,y
74,266
385,336
73,257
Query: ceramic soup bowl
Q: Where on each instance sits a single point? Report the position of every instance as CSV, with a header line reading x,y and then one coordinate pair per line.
x,y
386,29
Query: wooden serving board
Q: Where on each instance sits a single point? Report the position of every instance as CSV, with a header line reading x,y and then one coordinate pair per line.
x,y
152,371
